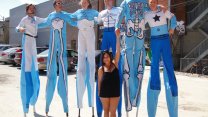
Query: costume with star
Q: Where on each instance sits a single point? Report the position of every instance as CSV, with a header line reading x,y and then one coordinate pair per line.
x,y
108,18
85,19
160,46
29,83
57,45
134,55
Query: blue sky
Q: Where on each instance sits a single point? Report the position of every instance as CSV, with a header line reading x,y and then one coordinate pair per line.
x,y
6,5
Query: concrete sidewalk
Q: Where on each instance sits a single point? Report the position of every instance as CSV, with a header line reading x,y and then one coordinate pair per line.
x,y
193,97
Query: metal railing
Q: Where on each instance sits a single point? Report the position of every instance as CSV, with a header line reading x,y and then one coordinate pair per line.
x,y
193,14
198,50
194,54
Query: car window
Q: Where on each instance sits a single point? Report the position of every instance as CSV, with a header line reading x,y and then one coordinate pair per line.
x,y
73,53
8,47
39,50
8,50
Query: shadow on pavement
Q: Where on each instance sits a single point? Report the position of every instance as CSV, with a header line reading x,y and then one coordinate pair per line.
x,y
38,115
44,73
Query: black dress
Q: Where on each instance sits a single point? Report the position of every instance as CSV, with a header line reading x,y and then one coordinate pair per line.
x,y
110,84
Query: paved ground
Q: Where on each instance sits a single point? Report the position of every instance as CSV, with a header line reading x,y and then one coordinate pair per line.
x,y
193,96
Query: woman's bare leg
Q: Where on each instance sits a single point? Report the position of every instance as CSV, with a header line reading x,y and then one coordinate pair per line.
x,y
113,106
106,105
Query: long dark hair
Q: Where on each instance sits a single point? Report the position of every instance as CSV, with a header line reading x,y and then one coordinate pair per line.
x,y
108,53
89,6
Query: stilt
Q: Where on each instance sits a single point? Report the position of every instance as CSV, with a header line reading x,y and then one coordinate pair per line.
x,y
46,114
34,110
127,114
67,114
137,112
79,113
93,112
25,114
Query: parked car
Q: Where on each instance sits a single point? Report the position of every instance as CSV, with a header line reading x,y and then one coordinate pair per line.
x,y
11,57
4,47
18,55
72,58
4,57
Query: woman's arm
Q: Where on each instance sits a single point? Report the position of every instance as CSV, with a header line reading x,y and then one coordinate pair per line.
x,y
100,75
117,57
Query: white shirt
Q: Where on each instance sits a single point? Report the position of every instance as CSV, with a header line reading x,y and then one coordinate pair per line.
x,y
30,24
157,18
109,17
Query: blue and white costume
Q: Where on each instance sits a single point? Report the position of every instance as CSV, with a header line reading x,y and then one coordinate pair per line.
x,y
86,50
134,58
108,19
29,83
160,45
57,45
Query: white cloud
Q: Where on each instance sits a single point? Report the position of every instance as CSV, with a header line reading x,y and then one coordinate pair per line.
x,y
28,1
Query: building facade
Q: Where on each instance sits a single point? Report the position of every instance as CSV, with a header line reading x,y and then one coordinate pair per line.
x,y
42,10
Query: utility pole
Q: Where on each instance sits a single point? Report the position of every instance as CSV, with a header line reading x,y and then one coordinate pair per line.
x,y
4,32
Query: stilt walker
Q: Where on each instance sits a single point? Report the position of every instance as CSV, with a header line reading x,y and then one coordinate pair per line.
x,y
108,18
57,45
29,81
86,53
134,57
160,46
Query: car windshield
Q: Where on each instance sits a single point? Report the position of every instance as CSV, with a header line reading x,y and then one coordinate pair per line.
x,y
44,52
9,50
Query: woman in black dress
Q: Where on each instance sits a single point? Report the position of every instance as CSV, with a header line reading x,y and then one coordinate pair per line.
x,y
109,81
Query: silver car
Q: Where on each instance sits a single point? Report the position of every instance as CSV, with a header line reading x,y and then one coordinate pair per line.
x,y
5,54
72,58
4,47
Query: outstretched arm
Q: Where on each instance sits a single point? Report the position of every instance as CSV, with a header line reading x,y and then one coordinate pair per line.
x,y
95,16
40,20
44,23
69,19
